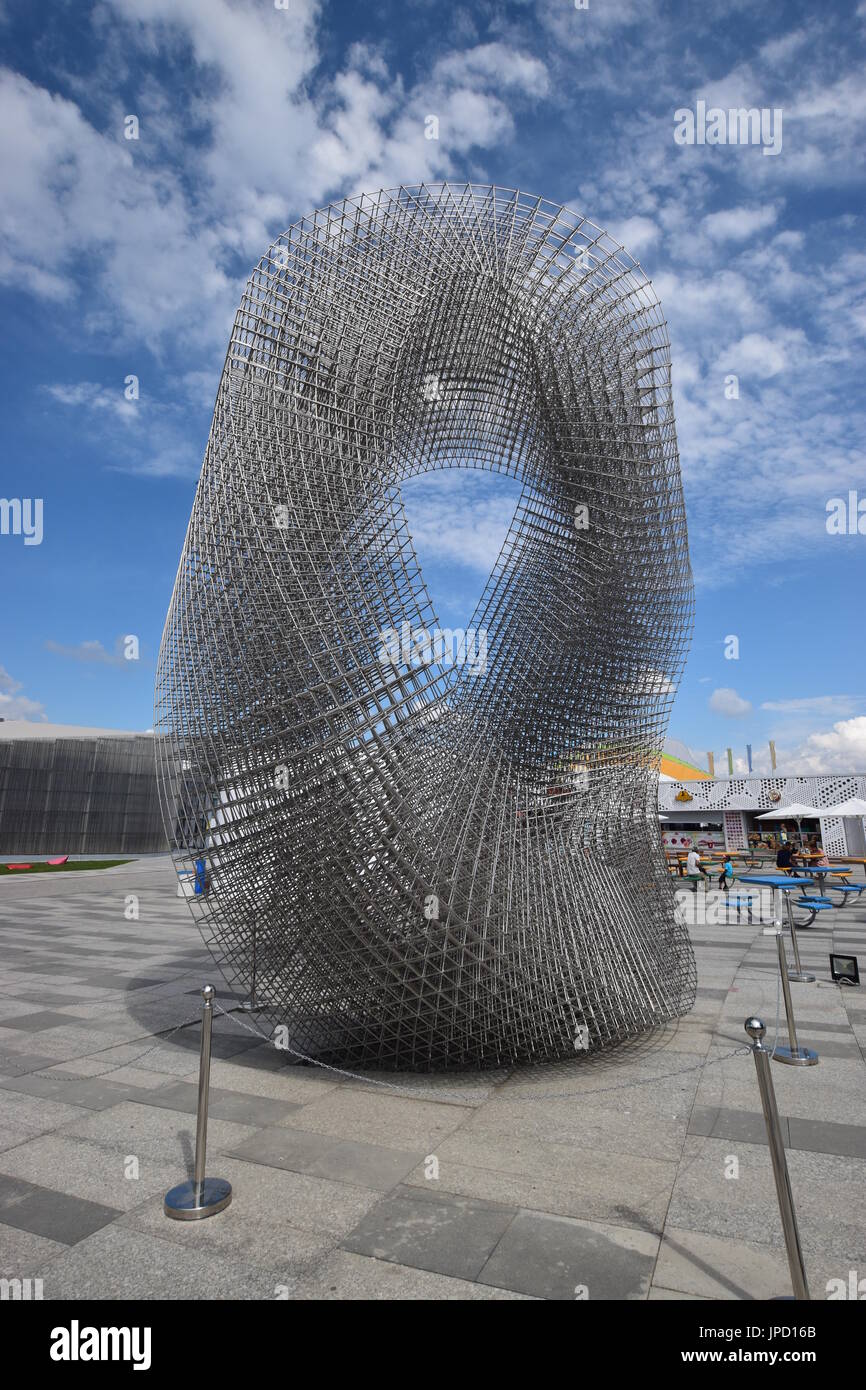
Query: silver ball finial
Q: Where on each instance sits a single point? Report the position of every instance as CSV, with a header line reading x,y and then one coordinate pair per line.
x,y
208,993
755,1028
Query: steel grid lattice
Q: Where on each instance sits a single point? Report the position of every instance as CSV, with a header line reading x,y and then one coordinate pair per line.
x,y
419,864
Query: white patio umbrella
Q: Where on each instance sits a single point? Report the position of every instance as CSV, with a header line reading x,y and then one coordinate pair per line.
x,y
796,811
854,806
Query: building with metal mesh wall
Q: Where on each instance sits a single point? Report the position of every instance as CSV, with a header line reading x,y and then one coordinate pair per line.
x,y
420,864
77,791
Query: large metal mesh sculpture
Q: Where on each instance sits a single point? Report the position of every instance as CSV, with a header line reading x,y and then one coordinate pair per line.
x,y
416,863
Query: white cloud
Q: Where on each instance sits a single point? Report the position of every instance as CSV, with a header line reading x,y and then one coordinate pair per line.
x,y
778,49
92,652
16,706
95,397
260,120
727,702
742,296
655,683
153,438
840,749
760,356
738,224
166,226
149,242
598,26
830,705
496,63
700,302
636,234
455,518
75,202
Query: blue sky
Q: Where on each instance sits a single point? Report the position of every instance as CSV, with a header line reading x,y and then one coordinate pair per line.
x,y
126,258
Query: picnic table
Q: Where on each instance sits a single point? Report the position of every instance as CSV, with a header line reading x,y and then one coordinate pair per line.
x,y
823,872
695,879
682,859
848,859
705,878
824,869
780,881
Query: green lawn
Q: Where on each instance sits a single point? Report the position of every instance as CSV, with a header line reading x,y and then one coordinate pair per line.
x,y
60,868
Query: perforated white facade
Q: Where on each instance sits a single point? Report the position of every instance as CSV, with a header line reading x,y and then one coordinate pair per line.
x,y
732,795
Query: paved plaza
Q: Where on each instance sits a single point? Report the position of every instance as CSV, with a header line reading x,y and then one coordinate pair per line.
x,y
644,1174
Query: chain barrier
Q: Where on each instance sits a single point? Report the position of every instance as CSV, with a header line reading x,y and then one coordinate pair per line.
x,y
460,1097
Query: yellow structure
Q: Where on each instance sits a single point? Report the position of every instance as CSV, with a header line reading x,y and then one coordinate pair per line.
x,y
681,771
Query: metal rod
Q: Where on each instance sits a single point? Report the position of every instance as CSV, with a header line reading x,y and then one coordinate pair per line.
x,y
202,1196
756,1031
798,973
794,1055
786,992
207,995
790,910
250,1006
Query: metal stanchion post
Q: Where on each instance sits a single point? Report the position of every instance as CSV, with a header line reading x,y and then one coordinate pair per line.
x,y
756,1031
798,973
191,1201
793,1055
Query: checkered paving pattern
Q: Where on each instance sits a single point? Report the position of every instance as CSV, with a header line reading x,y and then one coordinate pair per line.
x,y
608,1174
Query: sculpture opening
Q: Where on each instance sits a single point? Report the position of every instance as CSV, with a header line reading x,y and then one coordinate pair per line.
x,y
422,857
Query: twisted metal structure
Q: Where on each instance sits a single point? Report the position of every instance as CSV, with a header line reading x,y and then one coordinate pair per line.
x,y
415,861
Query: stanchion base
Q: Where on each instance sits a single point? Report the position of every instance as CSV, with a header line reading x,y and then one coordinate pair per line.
x,y
190,1201
800,977
803,1057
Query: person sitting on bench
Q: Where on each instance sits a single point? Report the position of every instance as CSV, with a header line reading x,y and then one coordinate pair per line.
x,y
786,857
693,863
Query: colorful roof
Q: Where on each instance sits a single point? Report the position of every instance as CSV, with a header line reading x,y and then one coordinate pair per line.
x,y
681,771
